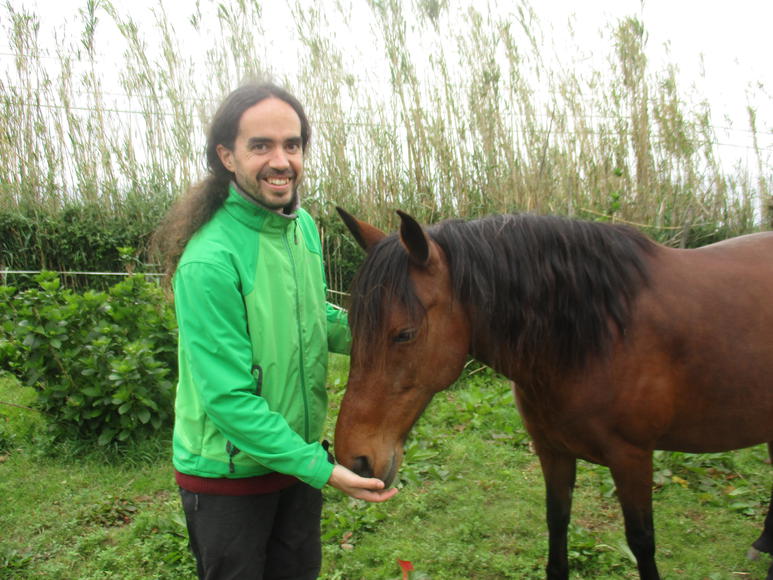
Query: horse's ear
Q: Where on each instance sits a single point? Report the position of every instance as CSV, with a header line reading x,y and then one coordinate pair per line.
x,y
415,239
365,234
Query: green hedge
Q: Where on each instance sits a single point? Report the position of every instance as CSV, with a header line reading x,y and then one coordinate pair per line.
x,y
88,237
82,236
103,364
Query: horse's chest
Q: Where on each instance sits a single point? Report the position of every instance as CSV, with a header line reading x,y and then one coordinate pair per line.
x,y
561,426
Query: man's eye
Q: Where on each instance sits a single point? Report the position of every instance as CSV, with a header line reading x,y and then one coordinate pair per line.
x,y
406,335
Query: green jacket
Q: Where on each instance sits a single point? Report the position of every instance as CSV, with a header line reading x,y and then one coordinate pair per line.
x,y
254,334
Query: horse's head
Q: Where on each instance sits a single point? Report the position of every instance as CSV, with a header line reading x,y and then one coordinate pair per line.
x,y
410,340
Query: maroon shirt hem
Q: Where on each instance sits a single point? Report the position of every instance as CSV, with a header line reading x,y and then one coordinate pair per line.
x,y
255,485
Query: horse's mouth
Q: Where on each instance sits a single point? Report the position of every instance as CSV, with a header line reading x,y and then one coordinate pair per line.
x,y
391,473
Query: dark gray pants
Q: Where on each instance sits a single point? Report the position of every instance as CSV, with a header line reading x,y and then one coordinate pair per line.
x,y
273,536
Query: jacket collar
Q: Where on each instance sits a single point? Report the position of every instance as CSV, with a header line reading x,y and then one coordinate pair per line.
x,y
249,212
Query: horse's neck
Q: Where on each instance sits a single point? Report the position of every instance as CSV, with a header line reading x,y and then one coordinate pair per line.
x,y
493,353
524,368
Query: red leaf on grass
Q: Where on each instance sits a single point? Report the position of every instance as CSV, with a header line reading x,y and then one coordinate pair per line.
x,y
406,567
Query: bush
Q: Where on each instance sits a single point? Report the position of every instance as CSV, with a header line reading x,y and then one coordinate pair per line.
x,y
80,236
102,363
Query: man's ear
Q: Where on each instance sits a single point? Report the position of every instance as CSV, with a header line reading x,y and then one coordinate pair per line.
x,y
226,157
366,235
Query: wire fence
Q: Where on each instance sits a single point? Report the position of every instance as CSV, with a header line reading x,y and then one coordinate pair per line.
x,y
4,273
153,275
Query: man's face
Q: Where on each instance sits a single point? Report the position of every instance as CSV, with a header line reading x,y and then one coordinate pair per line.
x,y
267,158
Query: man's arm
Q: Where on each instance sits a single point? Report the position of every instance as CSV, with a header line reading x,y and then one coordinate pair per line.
x,y
339,337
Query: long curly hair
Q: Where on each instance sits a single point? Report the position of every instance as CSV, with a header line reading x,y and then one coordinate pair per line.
x,y
197,206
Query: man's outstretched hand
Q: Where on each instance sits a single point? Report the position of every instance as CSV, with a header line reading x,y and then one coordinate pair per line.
x,y
367,488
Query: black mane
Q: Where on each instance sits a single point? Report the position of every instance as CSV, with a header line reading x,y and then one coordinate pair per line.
x,y
541,286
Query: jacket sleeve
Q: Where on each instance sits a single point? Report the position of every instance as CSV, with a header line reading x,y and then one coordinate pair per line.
x,y
339,337
213,335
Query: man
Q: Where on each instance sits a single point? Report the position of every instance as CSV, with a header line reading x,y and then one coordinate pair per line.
x,y
255,331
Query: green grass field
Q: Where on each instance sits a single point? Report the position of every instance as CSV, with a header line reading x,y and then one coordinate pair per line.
x,y
470,505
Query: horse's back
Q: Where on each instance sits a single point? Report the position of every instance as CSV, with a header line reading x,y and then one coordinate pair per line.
x,y
753,251
749,244
731,268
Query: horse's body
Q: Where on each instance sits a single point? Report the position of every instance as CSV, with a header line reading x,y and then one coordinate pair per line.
x,y
617,346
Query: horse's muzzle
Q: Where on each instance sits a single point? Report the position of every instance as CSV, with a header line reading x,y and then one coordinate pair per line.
x,y
362,466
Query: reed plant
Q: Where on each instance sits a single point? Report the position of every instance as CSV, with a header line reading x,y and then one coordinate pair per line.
x,y
438,108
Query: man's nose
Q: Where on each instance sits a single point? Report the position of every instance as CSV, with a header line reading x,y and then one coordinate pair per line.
x,y
279,159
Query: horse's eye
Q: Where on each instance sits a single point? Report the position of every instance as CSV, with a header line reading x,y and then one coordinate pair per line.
x,y
406,335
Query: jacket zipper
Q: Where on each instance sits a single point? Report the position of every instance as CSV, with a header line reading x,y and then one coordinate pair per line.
x,y
300,334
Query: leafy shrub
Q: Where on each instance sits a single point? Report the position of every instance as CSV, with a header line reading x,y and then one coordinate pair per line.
x,y
81,236
102,363
10,354
18,420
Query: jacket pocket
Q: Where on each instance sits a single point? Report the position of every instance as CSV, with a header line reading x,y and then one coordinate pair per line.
x,y
231,449
257,376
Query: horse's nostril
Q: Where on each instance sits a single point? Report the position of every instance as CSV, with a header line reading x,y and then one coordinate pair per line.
x,y
361,466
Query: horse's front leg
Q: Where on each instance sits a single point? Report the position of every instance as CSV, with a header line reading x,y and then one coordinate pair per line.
x,y
559,472
632,471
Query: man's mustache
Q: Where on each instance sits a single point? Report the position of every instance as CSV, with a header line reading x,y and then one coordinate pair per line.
x,y
268,173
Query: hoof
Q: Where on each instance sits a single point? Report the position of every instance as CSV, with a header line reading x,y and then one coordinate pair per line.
x,y
753,554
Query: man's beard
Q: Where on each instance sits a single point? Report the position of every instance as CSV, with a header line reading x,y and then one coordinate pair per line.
x,y
264,201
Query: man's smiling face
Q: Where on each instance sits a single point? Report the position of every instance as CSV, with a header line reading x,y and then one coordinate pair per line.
x,y
267,157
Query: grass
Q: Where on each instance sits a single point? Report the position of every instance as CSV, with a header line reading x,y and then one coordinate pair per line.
x,y
75,511
470,507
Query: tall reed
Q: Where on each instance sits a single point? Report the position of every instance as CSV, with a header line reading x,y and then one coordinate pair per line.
x,y
443,109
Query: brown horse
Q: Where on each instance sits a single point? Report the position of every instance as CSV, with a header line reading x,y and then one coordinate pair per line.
x,y
617,346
